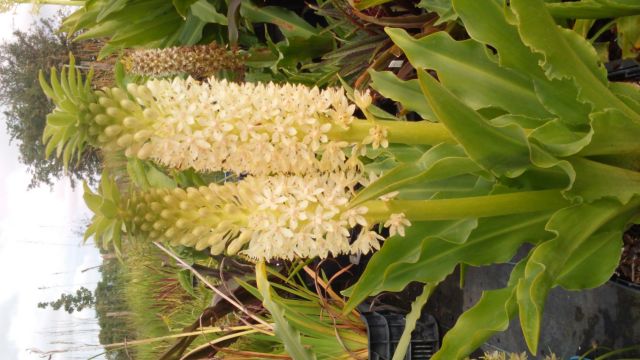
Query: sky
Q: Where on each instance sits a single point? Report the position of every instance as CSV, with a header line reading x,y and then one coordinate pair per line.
x,y
41,251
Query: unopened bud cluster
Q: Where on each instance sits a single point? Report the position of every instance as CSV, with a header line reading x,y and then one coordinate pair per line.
x,y
119,123
260,217
199,61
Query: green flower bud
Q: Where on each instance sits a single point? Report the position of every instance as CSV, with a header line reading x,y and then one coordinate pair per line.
x,y
106,102
116,112
129,105
102,119
95,108
125,140
142,135
113,130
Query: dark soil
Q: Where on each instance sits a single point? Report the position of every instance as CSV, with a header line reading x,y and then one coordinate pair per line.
x,y
629,268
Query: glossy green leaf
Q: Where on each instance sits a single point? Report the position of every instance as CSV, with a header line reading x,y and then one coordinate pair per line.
x,y
185,279
92,200
109,209
182,6
60,119
490,315
501,150
566,54
629,93
561,98
157,178
287,334
613,133
466,70
431,250
595,180
559,140
575,227
629,35
208,13
487,23
411,320
440,162
191,31
287,21
594,9
407,93
110,7
443,8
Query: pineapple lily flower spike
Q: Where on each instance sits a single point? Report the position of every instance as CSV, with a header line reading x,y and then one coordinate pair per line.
x,y
280,217
220,126
198,61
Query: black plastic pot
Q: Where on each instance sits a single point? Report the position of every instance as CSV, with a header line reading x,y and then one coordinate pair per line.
x,y
623,70
625,284
384,330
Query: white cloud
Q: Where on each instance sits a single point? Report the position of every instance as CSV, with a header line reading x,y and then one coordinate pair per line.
x,y
39,248
38,241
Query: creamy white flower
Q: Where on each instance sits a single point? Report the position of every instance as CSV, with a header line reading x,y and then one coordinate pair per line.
x,y
251,127
261,217
366,241
362,99
377,137
396,224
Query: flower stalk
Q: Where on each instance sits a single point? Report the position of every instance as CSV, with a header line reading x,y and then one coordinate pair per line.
x,y
468,207
400,132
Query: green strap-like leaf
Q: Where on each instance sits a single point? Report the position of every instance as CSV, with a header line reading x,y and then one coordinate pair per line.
x,y
443,8
613,134
627,92
287,334
488,23
501,150
110,7
411,320
566,55
465,69
407,93
208,13
289,23
490,315
595,180
440,162
431,250
559,139
576,228
182,6
594,9
92,200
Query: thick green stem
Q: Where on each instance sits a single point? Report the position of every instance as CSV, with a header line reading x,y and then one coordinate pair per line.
x,y
469,207
403,132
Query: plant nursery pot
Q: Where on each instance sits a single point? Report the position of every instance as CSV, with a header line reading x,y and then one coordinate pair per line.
x,y
623,70
628,285
385,328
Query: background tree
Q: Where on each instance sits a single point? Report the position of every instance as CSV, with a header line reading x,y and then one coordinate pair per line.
x,y
26,106
111,307
83,298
